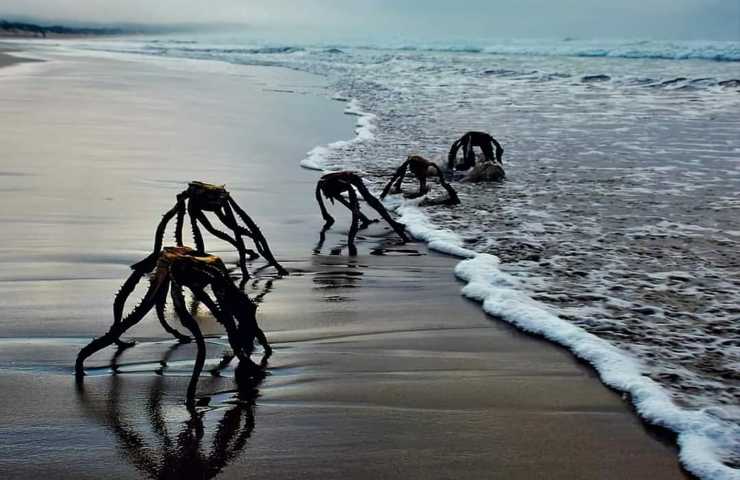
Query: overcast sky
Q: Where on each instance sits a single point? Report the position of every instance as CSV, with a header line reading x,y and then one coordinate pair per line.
x,y
715,19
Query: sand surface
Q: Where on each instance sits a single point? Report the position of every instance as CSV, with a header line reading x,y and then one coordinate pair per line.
x,y
381,368
7,58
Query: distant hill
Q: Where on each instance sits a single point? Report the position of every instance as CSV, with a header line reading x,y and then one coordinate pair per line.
x,y
30,28
20,29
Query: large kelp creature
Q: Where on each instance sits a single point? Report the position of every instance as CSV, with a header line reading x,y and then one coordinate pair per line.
x,y
174,269
334,185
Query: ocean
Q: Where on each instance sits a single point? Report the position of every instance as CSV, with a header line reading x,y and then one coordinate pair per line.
x,y
617,230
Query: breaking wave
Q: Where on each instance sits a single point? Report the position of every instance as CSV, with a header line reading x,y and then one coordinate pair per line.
x,y
714,51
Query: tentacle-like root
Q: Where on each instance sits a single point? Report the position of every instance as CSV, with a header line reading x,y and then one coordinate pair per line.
x,y
193,212
328,219
226,319
160,307
189,322
180,217
399,228
245,311
236,242
118,328
239,231
120,301
453,198
259,240
397,178
355,208
364,221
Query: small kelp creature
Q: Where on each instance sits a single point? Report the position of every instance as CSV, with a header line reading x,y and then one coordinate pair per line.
x,y
203,197
421,168
334,185
173,269
467,143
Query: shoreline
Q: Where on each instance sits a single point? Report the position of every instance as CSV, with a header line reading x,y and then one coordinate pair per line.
x,y
7,59
332,366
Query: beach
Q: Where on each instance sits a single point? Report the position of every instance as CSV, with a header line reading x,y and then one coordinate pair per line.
x,y
381,368
7,58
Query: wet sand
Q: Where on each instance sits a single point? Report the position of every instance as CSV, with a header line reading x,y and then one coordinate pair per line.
x,y
381,368
7,60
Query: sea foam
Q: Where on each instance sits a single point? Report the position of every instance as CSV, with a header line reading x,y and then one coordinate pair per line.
x,y
702,434
318,157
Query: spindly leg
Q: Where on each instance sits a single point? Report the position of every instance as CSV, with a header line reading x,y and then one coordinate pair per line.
x,y
328,219
499,151
487,149
197,236
452,156
375,203
162,226
237,306
242,249
453,198
180,218
259,240
120,301
117,329
235,242
245,312
238,230
364,221
148,264
399,182
468,153
214,231
166,357
422,187
263,341
225,361
355,207
320,244
160,307
225,319
189,322
398,178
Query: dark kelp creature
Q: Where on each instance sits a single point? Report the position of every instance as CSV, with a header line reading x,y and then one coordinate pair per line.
x,y
175,268
421,168
333,185
203,197
467,143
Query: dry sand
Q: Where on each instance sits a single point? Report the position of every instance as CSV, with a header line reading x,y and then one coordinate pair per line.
x,y
381,369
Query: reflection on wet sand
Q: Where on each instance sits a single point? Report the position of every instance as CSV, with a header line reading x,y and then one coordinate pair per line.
x,y
163,448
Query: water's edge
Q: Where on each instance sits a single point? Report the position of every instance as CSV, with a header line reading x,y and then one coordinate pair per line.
x,y
699,435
